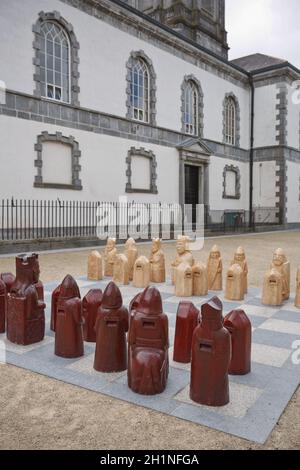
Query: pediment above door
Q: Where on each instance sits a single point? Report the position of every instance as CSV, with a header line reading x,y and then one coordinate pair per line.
x,y
194,150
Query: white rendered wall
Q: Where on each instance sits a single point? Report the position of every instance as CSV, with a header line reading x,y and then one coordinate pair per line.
x,y
104,51
293,118
293,192
103,162
264,184
265,116
216,200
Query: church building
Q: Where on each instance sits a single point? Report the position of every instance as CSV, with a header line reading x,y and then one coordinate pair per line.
x,y
107,98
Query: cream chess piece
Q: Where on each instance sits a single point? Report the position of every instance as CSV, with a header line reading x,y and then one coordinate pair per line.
x,y
235,283
121,270
141,272
272,288
214,269
282,266
199,273
110,256
184,280
240,258
183,255
132,254
157,262
95,268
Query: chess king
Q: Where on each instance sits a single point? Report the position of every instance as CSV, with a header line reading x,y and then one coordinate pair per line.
x,y
282,266
157,262
109,257
25,311
240,258
214,269
183,255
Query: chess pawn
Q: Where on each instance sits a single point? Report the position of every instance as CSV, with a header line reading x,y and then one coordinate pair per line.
x,y
3,306
25,311
211,355
109,257
157,262
54,299
8,279
141,273
199,273
111,327
95,269
214,269
183,255
240,258
131,253
134,303
121,270
235,283
239,327
282,266
297,299
69,320
183,281
148,342
186,322
90,305
272,288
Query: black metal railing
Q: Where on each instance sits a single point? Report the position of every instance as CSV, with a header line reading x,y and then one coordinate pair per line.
x,y
55,219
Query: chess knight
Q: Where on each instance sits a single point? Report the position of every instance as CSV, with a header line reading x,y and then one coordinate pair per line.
x,y
25,311
109,257
214,269
240,258
183,255
131,254
157,262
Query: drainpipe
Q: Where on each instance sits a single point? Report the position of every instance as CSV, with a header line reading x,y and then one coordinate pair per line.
x,y
251,218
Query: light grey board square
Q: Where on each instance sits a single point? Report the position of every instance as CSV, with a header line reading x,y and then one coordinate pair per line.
x,y
258,399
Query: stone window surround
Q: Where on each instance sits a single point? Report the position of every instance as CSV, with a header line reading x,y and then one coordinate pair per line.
x,y
197,83
74,59
134,152
237,172
237,119
135,55
38,163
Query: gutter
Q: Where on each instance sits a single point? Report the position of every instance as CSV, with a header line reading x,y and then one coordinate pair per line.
x,y
251,218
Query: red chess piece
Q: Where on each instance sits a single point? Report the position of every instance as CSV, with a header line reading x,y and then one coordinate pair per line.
x,y
186,321
25,312
40,290
69,320
148,345
3,306
211,354
239,326
90,305
111,327
134,304
8,279
54,300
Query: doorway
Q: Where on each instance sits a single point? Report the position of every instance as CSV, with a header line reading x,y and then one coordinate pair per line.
x,y
191,188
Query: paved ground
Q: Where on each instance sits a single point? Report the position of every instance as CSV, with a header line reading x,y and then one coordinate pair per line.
x,y
37,412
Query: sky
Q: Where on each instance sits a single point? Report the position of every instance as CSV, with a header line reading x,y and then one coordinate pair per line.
x,y
270,27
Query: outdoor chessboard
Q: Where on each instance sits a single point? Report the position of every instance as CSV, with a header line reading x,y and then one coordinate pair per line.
x,y
257,400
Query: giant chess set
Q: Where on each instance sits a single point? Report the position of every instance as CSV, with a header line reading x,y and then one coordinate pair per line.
x,y
177,345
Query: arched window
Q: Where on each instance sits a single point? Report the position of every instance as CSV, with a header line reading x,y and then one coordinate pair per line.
x,y
55,62
191,106
139,91
231,116
141,88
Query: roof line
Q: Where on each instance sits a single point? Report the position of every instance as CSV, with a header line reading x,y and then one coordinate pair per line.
x,y
270,68
179,36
